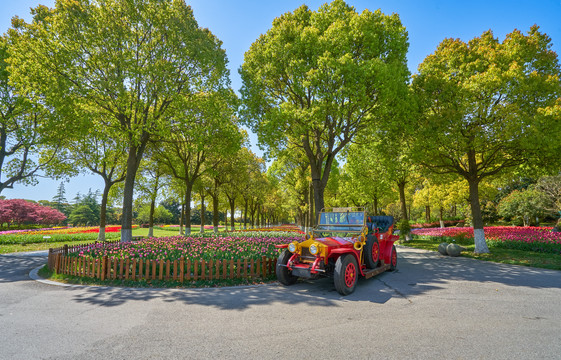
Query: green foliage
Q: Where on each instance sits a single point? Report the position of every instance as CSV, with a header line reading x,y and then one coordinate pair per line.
x,y
404,228
26,142
484,104
523,206
316,79
161,215
86,210
130,66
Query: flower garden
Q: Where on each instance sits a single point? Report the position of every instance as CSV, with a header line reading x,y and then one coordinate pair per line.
x,y
538,239
208,257
57,234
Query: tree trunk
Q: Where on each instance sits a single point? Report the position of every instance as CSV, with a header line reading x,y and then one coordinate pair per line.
x,y
427,213
133,161
252,210
311,203
401,186
232,209
103,211
215,213
441,217
151,218
181,214
318,203
203,211
375,205
477,218
188,194
245,215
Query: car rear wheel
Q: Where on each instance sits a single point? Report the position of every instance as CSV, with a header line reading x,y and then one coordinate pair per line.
x,y
393,259
284,276
346,274
372,252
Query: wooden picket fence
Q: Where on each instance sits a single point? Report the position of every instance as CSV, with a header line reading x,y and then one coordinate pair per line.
x,y
145,269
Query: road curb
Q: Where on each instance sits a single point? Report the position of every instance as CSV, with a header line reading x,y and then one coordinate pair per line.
x,y
34,275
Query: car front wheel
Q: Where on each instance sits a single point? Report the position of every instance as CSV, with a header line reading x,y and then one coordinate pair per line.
x,y
346,274
284,276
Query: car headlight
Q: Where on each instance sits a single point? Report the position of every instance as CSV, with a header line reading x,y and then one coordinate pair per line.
x,y
314,249
292,247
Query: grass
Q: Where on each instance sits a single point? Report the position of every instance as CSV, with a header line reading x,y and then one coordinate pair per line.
x,y
13,248
498,255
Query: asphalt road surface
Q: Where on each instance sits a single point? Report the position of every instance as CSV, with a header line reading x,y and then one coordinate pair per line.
x,y
433,307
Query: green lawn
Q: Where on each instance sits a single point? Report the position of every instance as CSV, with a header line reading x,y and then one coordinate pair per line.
x,y
12,248
504,256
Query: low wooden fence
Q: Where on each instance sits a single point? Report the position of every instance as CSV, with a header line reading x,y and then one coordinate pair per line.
x,y
145,269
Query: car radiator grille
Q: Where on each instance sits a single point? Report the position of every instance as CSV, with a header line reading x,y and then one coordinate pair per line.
x,y
306,255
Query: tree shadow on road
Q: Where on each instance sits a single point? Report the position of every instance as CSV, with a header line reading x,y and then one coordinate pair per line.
x,y
16,267
419,272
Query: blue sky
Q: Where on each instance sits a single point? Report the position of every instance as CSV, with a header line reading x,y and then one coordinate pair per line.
x,y
239,23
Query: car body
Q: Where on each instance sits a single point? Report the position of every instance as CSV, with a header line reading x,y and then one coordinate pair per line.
x,y
345,244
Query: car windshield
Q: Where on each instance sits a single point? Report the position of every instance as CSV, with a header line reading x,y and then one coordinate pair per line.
x,y
341,221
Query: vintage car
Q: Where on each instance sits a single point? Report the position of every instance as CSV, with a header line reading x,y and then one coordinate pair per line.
x,y
345,244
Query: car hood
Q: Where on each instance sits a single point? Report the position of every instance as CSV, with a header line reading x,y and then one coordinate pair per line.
x,y
335,241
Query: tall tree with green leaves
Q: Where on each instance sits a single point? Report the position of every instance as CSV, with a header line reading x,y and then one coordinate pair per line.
x,y
59,201
209,136
487,108
317,78
135,61
25,130
102,154
151,180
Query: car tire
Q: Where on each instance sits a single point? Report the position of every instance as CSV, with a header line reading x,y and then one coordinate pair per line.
x,y
284,276
372,252
393,259
346,274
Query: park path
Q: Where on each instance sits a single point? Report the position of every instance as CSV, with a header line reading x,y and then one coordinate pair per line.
x,y
433,307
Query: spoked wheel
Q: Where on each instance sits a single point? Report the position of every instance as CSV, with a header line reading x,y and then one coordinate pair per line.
x,y
346,274
284,276
393,259
372,252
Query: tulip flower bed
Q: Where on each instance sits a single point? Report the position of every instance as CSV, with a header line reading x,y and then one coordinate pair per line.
x,y
195,247
538,239
274,229
57,234
223,260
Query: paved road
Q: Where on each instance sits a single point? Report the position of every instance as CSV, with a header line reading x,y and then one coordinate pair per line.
x,y
432,307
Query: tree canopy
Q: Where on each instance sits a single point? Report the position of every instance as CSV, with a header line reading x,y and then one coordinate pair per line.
x,y
482,105
134,71
317,78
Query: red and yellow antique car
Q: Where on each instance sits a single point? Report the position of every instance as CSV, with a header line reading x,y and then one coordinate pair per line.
x,y
345,244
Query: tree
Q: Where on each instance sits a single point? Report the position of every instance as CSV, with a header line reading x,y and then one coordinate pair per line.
x,y
550,186
101,154
158,214
19,212
316,79
174,207
367,178
151,181
59,200
25,129
523,206
482,108
255,166
132,61
210,135
86,209
292,171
